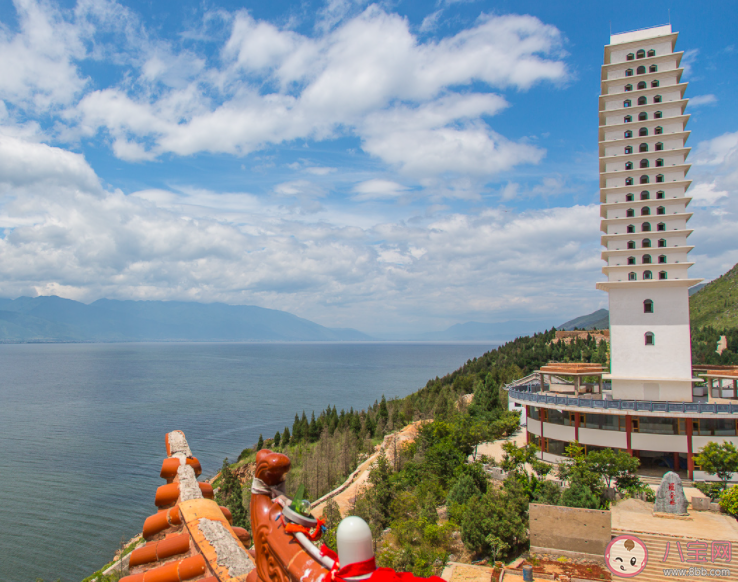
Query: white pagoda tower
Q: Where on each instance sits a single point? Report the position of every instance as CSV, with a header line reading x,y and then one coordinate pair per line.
x,y
644,213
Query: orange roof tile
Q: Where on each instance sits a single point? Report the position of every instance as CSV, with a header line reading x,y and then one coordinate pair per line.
x,y
190,537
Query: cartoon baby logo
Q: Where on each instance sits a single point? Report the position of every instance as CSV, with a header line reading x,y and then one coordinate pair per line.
x,y
626,556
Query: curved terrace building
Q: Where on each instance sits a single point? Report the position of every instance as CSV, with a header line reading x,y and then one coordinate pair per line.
x,y
648,409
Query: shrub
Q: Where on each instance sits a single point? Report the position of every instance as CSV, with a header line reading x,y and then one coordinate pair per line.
x,y
547,493
712,490
579,495
729,500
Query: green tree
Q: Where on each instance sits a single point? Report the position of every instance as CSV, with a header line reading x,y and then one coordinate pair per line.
x,y
383,413
313,429
277,438
332,516
486,396
515,459
718,459
369,425
230,495
260,443
297,428
286,437
547,493
579,495
577,470
463,490
500,514
496,546
615,467
355,423
382,491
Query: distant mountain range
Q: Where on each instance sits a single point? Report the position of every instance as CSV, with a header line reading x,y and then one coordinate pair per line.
x,y
600,319
716,305
475,331
54,319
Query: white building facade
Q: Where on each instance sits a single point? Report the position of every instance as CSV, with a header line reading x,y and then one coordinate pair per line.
x,y
643,185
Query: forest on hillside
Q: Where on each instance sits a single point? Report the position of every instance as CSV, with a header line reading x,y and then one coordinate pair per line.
x,y
405,493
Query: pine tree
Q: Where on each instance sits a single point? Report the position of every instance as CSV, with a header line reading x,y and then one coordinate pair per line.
x,y
286,437
304,426
383,412
230,495
260,443
355,423
277,439
296,428
313,429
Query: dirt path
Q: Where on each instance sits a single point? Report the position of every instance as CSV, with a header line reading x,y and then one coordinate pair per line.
x,y
345,494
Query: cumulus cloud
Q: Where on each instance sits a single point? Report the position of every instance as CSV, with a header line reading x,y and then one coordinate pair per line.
x,y
68,235
715,199
37,65
24,163
273,85
423,109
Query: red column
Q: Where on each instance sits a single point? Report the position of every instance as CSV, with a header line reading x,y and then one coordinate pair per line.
x,y
676,462
576,426
540,415
690,460
628,430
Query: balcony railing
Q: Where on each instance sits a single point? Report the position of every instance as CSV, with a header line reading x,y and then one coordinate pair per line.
x,y
628,405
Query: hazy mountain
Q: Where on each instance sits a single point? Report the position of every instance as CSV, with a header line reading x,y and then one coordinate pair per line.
x,y
474,330
600,319
57,319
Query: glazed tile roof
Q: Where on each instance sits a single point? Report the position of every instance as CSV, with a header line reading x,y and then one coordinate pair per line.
x,y
190,537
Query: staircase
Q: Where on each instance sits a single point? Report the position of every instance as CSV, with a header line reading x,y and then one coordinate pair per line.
x,y
656,546
653,480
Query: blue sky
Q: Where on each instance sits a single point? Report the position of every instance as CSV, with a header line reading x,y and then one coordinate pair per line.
x,y
393,166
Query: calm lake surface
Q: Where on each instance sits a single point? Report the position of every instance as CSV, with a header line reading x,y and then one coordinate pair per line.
x,y
82,427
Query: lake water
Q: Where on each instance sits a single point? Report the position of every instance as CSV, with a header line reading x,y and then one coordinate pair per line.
x,y
82,427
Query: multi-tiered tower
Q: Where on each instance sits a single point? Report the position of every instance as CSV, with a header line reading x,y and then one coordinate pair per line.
x,y
644,213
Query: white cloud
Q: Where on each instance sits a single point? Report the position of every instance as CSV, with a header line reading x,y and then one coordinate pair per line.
x,y
320,170
688,60
299,188
378,189
704,194
37,68
715,201
430,22
341,82
716,151
24,164
67,235
444,136
700,100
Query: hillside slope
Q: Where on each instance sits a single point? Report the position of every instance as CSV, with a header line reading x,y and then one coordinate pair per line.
x,y
599,319
716,304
